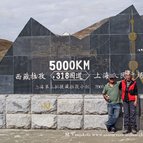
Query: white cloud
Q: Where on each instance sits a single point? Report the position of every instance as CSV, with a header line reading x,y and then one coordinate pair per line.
x,y
58,15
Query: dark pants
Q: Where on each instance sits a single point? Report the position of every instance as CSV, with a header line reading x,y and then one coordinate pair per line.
x,y
129,115
113,114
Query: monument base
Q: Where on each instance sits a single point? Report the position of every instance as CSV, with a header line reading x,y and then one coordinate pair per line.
x,y
74,112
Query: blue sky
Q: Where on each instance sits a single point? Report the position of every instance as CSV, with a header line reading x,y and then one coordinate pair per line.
x,y
59,16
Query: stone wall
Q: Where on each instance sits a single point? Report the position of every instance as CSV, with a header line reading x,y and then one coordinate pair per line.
x,y
56,112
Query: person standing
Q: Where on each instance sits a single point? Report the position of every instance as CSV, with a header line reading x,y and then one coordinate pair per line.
x,y
129,94
111,94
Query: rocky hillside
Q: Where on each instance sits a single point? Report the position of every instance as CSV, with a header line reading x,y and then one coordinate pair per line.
x,y
85,32
4,46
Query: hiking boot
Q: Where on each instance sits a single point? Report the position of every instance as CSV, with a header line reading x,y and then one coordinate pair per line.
x,y
108,128
113,130
134,131
125,131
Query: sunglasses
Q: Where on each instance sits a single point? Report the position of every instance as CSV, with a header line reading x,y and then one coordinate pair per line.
x,y
112,78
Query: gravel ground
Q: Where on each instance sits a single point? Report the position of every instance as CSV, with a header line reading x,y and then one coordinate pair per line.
x,y
67,136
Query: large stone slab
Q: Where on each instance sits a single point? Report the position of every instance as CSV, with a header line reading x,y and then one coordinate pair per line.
x,y
2,103
18,104
119,123
95,105
43,104
46,121
2,120
70,105
141,105
70,96
18,121
141,123
70,122
95,121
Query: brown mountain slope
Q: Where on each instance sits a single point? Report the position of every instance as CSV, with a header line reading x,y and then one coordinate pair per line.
x,y
85,32
4,46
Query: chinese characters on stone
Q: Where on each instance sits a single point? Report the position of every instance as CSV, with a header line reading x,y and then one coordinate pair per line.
x,y
32,76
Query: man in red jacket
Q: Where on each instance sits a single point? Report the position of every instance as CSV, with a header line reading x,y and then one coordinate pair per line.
x,y
129,96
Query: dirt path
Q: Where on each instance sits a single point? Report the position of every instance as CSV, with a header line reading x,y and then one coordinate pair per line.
x,y
66,136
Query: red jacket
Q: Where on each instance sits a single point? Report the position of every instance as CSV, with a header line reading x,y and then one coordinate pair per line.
x,y
132,90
